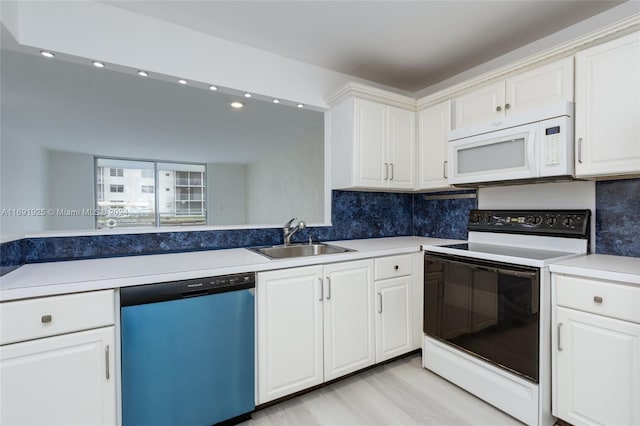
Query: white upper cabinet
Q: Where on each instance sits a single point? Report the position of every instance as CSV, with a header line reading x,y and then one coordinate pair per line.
x,y
373,145
608,108
434,124
548,84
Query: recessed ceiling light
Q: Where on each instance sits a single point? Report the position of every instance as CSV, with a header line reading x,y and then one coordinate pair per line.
x,y
237,105
247,95
300,106
143,74
214,88
276,101
98,64
182,81
47,54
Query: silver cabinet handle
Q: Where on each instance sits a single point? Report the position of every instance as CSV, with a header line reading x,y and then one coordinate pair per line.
x,y
386,171
321,289
444,169
507,106
580,150
597,299
391,164
499,108
380,300
106,359
559,339
46,319
328,288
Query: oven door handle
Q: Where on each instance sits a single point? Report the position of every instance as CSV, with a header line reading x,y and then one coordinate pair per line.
x,y
514,273
483,268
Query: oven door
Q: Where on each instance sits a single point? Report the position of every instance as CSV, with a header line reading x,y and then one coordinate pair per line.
x,y
488,309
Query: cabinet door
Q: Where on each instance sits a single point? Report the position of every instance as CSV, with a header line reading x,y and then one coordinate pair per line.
x,y
348,318
597,369
61,380
482,105
401,148
394,331
434,124
608,108
545,85
370,148
289,313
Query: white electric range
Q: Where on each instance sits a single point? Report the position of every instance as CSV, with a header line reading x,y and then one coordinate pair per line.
x,y
487,308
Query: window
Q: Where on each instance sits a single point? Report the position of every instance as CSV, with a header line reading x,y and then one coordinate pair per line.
x,y
186,204
182,203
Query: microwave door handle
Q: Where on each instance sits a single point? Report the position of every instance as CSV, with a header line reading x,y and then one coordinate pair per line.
x,y
534,151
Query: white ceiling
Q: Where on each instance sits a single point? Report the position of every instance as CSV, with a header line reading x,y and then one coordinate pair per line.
x,y
409,45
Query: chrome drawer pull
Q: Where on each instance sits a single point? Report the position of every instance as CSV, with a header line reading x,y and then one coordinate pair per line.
x,y
321,289
46,319
559,339
580,150
380,305
597,299
328,288
106,358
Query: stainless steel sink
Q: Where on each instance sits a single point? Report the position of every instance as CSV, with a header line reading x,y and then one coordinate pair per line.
x,y
298,250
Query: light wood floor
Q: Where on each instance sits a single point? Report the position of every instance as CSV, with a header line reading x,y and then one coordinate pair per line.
x,y
400,393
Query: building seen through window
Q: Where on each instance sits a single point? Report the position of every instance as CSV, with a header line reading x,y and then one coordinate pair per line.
x,y
134,198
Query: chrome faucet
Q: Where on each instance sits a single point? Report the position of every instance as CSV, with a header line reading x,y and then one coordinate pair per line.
x,y
288,230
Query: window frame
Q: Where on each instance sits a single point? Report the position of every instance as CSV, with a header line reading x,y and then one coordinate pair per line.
x,y
156,186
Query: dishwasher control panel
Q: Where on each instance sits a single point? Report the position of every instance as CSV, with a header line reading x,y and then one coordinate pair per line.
x,y
160,292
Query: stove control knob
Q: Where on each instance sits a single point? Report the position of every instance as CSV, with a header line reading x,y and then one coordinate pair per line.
x,y
568,222
551,221
534,220
487,218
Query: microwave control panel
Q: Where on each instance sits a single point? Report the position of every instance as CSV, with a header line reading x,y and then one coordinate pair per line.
x,y
556,146
552,146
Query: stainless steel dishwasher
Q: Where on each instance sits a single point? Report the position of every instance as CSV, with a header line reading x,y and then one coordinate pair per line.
x,y
188,351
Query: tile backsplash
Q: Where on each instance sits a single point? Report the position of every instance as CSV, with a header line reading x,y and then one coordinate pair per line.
x,y
617,222
354,215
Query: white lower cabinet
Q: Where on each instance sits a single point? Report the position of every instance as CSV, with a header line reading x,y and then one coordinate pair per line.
x,y
393,319
395,293
596,352
65,379
314,324
348,318
62,380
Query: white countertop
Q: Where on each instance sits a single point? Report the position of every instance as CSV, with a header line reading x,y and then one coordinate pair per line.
x,y
601,266
45,279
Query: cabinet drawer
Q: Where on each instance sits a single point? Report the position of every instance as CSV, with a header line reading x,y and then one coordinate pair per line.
x,y
599,297
48,316
392,266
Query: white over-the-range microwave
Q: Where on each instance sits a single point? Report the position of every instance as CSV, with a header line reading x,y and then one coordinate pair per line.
x,y
527,147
